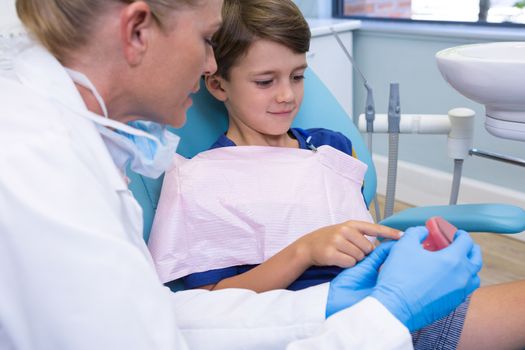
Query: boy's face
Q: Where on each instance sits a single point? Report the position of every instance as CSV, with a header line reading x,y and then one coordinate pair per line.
x,y
265,91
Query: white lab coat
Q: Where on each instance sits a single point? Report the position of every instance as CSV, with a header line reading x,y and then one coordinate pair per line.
x,y
75,272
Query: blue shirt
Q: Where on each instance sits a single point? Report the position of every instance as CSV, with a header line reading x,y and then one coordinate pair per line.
x,y
318,136
314,275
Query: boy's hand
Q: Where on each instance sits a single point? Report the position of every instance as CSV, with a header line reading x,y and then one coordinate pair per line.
x,y
341,245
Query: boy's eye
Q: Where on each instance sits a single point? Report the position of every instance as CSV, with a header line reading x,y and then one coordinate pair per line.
x,y
298,77
263,82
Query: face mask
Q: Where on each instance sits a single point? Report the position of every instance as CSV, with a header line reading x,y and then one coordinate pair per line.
x,y
146,147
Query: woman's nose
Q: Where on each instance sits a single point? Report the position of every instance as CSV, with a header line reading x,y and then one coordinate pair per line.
x,y
210,66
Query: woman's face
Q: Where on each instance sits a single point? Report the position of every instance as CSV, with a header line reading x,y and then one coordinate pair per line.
x,y
178,57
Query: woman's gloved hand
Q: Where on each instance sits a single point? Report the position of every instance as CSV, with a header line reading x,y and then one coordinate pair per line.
x,y
420,287
356,283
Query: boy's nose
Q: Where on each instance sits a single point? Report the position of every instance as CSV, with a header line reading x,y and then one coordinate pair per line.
x,y
285,93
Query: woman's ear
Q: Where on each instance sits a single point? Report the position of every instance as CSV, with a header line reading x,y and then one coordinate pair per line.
x,y
136,27
214,84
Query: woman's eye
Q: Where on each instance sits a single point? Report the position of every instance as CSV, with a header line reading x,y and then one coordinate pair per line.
x,y
210,42
263,82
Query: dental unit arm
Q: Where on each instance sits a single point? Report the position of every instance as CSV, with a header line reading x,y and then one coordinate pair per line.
x,y
497,218
458,125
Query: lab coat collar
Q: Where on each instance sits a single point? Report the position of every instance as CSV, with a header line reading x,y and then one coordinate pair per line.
x,y
41,72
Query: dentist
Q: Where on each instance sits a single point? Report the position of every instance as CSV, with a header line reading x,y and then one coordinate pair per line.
x,y
75,272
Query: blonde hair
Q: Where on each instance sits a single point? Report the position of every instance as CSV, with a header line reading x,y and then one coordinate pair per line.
x,y
245,21
64,25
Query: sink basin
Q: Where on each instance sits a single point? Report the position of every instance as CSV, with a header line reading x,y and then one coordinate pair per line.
x,y
492,74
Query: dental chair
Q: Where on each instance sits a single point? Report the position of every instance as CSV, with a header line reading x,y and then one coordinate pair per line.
x,y
207,119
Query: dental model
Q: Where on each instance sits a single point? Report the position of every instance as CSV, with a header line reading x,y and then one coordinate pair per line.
x,y
440,234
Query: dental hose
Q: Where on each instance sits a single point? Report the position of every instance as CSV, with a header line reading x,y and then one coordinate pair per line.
x,y
393,148
377,210
370,115
394,116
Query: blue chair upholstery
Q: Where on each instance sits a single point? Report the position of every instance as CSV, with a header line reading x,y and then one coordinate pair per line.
x,y
495,218
207,119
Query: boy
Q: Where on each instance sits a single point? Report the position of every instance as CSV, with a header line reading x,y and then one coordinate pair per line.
x,y
245,227
260,79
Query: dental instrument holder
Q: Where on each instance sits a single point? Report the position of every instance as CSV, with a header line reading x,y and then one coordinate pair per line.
x,y
458,125
394,116
370,111
499,157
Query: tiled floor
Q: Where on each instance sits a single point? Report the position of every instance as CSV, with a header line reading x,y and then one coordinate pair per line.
x,y
503,257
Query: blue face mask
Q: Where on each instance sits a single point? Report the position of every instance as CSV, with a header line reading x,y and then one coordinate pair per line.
x,y
146,147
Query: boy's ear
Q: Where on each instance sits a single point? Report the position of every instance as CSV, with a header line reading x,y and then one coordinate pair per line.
x,y
214,85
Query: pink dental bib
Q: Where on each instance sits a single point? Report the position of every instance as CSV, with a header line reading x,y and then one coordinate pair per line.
x,y
240,205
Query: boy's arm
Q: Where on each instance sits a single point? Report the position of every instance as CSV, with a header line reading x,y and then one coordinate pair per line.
x,y
278,272
341,245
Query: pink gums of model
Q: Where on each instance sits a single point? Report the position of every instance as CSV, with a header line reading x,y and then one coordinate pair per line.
x,y
440,234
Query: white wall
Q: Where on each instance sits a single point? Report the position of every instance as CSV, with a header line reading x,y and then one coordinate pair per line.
x,y
315,8
8,18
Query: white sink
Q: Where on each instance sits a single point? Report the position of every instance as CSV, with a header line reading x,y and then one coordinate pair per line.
x,y
492,74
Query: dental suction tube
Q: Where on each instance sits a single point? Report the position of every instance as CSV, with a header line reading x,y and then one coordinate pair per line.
x,y
394,117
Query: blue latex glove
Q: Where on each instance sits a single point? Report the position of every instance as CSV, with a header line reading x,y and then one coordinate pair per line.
x,y
420,287
356,283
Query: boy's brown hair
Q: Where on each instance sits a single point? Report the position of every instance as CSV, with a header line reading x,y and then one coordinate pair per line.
x,y
245,21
